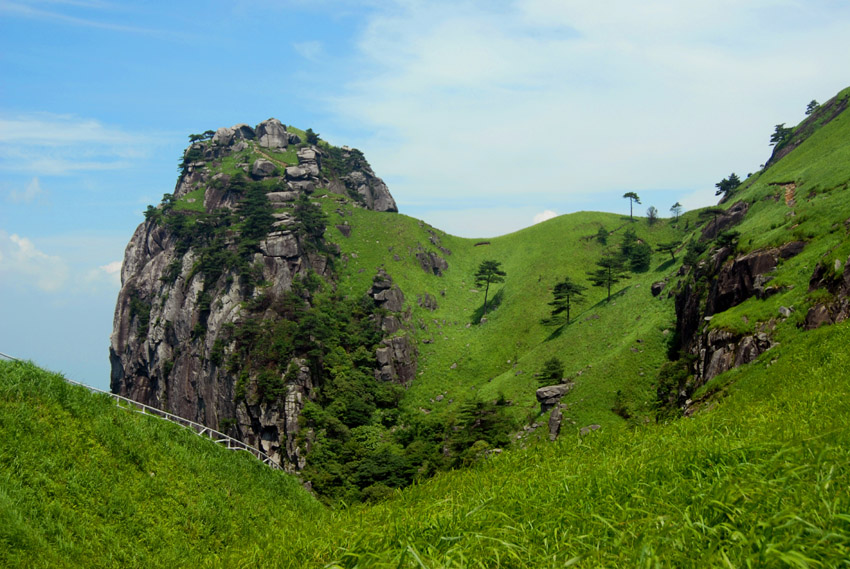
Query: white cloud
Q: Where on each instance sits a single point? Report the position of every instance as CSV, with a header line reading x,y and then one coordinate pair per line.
x,y
113,271
23,264
32,191
544,215
51,144
543,97
310,50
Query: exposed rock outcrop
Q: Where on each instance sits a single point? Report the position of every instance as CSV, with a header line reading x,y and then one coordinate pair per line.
x,y
550,395
838,284
272,134
397,355
171,342
361,182
727,283
432,263
724,221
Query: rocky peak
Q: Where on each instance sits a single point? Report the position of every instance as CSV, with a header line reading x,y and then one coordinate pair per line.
x,y
226,136
271,133
191,278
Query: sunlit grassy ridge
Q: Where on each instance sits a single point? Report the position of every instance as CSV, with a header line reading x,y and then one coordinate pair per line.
x,y
612,344
760,480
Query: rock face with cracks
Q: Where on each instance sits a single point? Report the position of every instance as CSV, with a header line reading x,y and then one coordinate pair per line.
x,y
167,347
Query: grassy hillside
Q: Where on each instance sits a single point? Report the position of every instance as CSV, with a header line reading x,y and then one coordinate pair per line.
x,y
502,355
85,484
758,479
758,476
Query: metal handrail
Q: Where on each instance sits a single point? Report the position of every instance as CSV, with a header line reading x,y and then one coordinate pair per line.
x,y
199,429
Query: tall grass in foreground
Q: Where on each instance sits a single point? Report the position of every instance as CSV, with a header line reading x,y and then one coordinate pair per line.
x,y
759,480
85,484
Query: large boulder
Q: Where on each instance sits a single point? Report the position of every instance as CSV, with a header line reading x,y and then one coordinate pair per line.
x,y
226,136
263,168
550,395
280,245
272,134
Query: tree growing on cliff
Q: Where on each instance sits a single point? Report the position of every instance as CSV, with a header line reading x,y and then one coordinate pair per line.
x,y
489,272
727,185
566,293
780,135
312,137
611,271
812,107
633,199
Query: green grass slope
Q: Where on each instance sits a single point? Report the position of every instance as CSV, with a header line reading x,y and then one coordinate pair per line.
x,y
758,479
86,484
615,346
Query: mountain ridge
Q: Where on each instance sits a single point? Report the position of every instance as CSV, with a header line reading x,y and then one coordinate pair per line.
x,y
411,302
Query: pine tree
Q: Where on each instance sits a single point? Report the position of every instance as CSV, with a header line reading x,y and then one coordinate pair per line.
x,y
566,293
489,272
610,272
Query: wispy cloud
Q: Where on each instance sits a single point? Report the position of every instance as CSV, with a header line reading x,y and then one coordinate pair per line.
x,y
557,98
23,264
544,215
93,20
30,193
309,50
49,144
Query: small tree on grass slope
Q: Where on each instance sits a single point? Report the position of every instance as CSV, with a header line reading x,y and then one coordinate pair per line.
x,y
633,199
566,294
489,272
552,372
610,271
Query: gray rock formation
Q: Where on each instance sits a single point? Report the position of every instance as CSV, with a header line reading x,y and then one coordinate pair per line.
x,y
730,282
272,134
721,350
386,294
838,309
362,183
432,263
170,346
733,216
555,420
550,395
397,354
262,168
226,136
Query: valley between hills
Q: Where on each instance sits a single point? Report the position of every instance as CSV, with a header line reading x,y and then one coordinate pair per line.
x,y
692,411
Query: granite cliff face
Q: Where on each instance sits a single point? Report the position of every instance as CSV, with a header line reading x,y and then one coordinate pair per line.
x,y
237,239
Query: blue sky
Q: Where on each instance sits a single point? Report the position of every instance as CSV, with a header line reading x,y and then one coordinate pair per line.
x,y
480,116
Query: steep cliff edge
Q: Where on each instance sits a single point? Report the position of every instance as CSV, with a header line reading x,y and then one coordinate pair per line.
x,y
210,320
771,263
